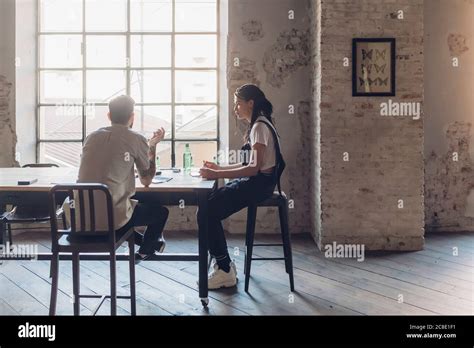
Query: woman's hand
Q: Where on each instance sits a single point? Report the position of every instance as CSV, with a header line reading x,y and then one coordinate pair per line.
x,y
209,174
210,165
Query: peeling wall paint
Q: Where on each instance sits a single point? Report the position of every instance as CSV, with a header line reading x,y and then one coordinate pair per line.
x,y
7,131
290,52
278,62
8,137
449,183
245,71
314,9
241,70
299,173
457,44
253,30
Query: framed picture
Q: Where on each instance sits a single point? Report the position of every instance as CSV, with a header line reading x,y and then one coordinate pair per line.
x,y
373,67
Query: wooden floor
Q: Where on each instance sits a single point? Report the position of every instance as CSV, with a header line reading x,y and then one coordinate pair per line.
x,y
428,282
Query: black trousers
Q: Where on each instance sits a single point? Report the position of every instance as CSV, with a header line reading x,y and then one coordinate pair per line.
x,y
151,214
229,199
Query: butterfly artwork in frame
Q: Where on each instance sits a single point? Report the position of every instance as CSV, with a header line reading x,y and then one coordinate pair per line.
x,y
373,67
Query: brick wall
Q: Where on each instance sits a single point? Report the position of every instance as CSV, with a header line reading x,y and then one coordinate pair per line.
x,y
360,198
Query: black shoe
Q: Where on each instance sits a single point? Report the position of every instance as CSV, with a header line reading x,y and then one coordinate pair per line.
x,y
139,258
159,245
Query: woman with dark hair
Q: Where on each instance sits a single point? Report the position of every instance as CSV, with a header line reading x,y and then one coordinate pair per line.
x,y
252,182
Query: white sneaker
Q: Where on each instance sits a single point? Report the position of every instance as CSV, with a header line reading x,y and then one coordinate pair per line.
x,y
219,279
232,265
215,266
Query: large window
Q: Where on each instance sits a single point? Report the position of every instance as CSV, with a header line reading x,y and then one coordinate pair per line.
x,y
163,53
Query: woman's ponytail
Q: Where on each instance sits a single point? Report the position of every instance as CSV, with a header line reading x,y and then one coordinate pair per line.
x,y
261,107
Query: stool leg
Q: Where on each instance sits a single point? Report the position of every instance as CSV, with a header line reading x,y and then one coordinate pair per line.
x,y
75,282
209,263
251,217
283,211
54,283
9,231
63,218
133,296
113,284
246,242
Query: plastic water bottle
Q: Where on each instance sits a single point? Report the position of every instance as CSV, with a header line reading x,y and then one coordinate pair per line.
x,y
187,158
157,162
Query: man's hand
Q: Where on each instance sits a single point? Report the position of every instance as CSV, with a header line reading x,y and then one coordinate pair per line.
x,y
208,173
158,136
147,175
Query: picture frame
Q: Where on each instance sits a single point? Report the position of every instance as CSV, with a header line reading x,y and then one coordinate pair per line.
x,y
373,67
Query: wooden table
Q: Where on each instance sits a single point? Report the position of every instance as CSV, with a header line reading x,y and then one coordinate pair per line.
x,y
194,191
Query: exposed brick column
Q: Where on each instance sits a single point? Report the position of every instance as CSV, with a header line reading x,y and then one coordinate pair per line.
x,y
360,197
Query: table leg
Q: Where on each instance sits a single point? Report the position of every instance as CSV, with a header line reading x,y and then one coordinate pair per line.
x,y
3,230
203,249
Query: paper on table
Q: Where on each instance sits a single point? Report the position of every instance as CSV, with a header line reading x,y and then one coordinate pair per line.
x,y
160,179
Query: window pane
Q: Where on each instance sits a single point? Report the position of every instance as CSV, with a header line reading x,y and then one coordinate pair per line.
x,y
163,150
61,87
61,122
196,87
151,15
60,15
96,117
150,51
106,15
196,121
102,86
63,154
150,118
60,51
196,51
201,151
196,15
106,51
151,86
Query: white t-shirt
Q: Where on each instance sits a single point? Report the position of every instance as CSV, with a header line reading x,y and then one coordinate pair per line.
x,y
261,134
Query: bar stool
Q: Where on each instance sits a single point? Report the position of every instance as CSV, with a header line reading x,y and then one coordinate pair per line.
x,y
281,202
84,239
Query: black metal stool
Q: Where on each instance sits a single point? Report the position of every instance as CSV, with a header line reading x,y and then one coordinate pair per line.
x,y
281,202
83,239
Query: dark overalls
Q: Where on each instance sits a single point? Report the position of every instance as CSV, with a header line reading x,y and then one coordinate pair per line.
x,y
231,198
